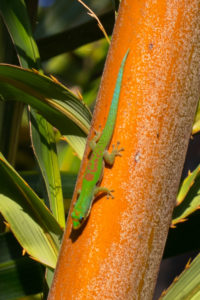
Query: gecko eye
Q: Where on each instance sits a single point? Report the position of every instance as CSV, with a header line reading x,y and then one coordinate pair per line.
x,y
81,219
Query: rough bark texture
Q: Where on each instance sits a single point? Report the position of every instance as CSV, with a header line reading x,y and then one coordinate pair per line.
x,y
117,254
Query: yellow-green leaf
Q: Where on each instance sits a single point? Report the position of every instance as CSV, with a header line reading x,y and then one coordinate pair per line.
x,y
188,199
29,219
187,286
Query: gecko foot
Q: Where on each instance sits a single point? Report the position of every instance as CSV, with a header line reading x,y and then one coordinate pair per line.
x,y
110,157
116,150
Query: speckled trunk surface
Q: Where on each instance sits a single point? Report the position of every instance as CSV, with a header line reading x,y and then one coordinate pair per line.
x,y
117,254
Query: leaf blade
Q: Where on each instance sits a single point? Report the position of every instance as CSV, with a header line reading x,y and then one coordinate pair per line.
x,y
30,220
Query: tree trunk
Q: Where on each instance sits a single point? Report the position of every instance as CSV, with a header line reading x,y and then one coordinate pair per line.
x,y
117,254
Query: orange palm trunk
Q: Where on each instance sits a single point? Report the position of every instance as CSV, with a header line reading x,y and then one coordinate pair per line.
x,y
116,255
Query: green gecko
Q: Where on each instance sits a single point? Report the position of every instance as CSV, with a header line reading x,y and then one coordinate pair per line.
x,y
93,173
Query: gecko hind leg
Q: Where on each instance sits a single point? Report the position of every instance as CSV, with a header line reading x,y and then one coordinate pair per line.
x,y
105,190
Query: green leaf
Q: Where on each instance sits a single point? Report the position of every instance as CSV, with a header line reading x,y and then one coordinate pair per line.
x,y
45,150
16,19
188,197
187,184
42,133
187,285
51,99
35,181
31,222
19,275
55,109
43,139
196,124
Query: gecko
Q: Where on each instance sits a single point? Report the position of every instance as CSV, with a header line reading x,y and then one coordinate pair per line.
x,y
99,156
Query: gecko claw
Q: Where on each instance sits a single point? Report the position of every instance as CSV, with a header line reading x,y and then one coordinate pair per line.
x,y
116,150
109,194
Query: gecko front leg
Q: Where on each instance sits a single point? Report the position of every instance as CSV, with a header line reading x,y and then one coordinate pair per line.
x,y
94,140
110,157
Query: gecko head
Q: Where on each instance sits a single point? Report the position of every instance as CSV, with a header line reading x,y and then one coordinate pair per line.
x,y
77,220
